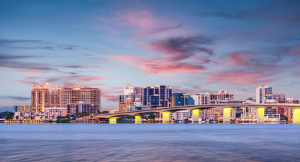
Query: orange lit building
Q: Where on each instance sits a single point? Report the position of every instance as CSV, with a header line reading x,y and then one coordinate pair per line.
x,y
82,94
56,97
45,96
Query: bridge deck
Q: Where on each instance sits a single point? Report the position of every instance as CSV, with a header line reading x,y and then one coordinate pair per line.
x,y
179,108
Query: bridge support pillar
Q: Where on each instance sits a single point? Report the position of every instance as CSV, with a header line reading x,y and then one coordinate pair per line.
x,y
226,114
166,116
113,120
195,115
260,114
296,116
138,118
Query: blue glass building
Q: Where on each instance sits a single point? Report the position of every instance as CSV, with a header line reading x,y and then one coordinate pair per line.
x,y
157,96
182,99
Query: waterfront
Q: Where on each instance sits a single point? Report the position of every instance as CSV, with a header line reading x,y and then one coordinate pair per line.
x,y
150,142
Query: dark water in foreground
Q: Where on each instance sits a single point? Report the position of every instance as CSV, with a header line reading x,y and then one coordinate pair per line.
x,y
149,142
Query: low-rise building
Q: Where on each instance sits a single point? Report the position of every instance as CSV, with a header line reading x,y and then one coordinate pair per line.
x,y
52,113
81,107
128,100
137,106
180,116
22,108
27,117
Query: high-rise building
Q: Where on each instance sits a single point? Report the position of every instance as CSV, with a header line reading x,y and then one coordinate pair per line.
x,y
45,96
81,93
263,93
201,98
157,96
39,98
133,90
49,96
182,99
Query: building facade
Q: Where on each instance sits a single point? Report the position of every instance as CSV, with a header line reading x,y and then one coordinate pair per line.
x,y
82,107
56,97
81,93
137,106
180,116
24,108
221,97
201,98
157,96
289,112
31,116
182,99
126,101
133,90
263,93
52,113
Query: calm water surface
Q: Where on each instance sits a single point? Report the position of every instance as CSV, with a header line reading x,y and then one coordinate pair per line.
x,y
149,142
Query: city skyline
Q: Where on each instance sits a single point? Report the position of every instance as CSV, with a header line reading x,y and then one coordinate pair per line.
x,y
191,47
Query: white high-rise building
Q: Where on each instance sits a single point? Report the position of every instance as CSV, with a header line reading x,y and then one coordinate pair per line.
x,y
133,90
201,98
263,93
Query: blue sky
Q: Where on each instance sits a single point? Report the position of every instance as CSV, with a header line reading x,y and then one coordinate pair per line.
x,y
192,46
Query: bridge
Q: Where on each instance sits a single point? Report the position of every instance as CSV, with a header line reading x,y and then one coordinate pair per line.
x,y
196,111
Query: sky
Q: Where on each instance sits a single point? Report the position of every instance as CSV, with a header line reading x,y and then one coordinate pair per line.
x,y
191,46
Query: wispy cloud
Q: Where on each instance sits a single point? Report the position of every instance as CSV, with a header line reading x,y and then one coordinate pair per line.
x,y
154,31
240,77
31,73
110,98
187,54
293,50
254,14
181,48
17,98
29,83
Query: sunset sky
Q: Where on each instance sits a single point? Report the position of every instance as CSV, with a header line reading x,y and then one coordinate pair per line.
x,y
192,46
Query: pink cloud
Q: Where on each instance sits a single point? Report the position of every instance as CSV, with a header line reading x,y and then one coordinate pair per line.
x,y
157,30
26,82
110,98
152,66
142,23
188,54
93,85
81,78
240,58
140,19
233,77
107,94
32,73
252,59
